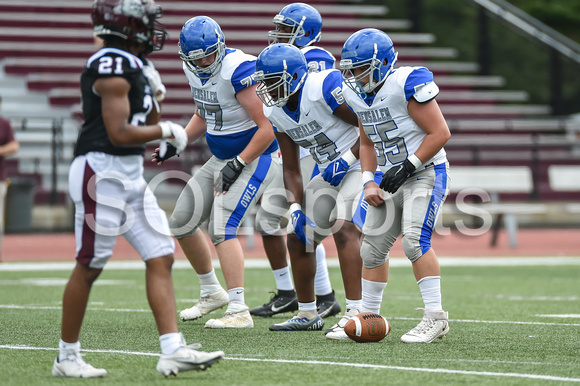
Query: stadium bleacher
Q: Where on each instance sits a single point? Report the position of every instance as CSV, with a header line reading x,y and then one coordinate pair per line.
x,y
45,43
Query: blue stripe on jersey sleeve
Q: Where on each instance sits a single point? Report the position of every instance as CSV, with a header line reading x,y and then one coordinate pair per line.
x,y
331,82
417,77
243,76
319,59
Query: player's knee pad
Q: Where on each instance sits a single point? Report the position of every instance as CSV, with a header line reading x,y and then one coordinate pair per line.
x,y
412,246
181,226
268,223
371,256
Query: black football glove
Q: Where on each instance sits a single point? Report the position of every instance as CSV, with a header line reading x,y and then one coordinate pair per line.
x,y
228,175
170,151
396,176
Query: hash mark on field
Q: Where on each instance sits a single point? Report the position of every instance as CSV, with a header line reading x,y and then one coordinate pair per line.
x,y
344,364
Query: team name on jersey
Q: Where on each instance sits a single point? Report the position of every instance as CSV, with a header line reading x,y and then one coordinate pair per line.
x,y
298,133
375,116
204,95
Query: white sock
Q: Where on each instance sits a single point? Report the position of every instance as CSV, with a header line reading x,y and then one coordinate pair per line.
x,y
283,279
353,304
372,295
307,310
208,283
65,347
170,342
430,287
237,295
322,284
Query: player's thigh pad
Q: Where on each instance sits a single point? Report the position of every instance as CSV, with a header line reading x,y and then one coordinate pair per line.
x,y
230,209
195,202
324,204
273,206
381,228
423,195
150,235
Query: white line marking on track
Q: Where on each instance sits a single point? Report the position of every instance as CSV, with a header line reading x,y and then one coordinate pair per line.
x,y
571,316
344,364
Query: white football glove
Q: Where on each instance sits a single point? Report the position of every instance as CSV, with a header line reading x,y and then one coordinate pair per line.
x,y
157,87
172,129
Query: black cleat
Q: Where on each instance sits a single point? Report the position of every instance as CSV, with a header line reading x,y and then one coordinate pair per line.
x,y
283,301
327,305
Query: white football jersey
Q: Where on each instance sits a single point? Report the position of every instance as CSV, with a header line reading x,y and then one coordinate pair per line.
x,y
315,127
318,59
229,126
387,122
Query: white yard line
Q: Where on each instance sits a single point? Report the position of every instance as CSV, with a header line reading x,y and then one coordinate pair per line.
x,y
34,307
263,263
343,364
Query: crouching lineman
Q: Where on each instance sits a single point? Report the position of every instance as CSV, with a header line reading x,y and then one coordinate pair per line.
x,y
404,133
308,110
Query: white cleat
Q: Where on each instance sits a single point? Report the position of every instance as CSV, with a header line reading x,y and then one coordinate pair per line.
x,y
435,324
206,304
241,319
336,332
186,358
75,367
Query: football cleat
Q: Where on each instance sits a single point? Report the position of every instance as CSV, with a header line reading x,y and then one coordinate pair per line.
x,y
283,301
206,304
299,324
336,332
435,324
241,319
186,358
327,305
75,367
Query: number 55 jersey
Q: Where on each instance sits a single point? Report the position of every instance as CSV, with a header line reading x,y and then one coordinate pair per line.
x,y
386,120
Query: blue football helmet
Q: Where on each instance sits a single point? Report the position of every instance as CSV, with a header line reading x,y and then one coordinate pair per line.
x,y
305,21
372,51
201,36
281,70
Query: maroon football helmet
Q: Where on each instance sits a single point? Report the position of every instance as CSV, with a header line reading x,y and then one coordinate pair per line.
x,y
133,20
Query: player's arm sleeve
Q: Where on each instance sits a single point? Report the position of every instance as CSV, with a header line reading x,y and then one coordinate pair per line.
x,y
420,85
332,90
243,76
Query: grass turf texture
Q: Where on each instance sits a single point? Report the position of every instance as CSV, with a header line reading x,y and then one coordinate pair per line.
x,y
496,334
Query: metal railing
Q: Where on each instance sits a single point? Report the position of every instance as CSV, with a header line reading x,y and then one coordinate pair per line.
x,y
557,44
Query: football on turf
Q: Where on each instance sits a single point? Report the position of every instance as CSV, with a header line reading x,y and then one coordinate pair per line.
x,y
367,327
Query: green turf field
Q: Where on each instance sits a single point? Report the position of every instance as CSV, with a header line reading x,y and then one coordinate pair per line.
x,y
510,325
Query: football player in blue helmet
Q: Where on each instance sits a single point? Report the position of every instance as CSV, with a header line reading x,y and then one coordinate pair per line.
x,y
202,46
281,73
368,51
226,188
298,24
120,119
308,111
403,133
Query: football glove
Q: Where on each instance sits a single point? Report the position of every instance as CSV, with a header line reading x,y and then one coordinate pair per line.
x,y
336,170
229,174
396,176
299,223
166,151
